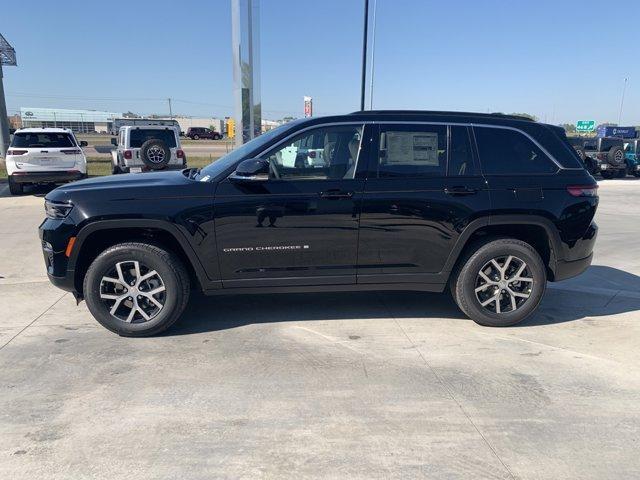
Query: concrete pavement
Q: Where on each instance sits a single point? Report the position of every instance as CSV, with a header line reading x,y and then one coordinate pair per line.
x,y
366,385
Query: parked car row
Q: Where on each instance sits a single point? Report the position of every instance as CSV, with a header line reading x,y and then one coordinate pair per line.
x,y
611,157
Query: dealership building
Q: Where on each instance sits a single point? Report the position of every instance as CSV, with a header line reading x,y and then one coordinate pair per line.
x,y
77,120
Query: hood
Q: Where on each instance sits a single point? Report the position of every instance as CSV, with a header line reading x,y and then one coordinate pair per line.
x,y
130,186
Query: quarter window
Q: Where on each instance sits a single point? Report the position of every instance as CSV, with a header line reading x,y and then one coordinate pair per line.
x,y
507,152
319,154
412,151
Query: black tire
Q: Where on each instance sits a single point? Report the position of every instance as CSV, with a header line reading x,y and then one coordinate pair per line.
x,y
15,188
616,156
196,137
171,272
636,174
590,165
155,154
621,173
607,174
216,136
115,169
581,154
465,278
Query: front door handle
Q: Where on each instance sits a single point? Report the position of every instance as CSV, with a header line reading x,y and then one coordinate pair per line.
x,y
460,191
336,194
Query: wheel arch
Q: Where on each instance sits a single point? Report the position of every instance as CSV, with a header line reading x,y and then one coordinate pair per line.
x,y
96,237
535,230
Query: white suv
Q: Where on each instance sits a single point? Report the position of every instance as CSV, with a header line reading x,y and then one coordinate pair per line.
x,y
147,147
44,155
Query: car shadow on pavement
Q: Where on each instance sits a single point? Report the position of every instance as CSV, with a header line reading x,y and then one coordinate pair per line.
x,y
29,190
577,300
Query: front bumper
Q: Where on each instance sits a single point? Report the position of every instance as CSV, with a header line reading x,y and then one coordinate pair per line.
x,y
47,177
54,238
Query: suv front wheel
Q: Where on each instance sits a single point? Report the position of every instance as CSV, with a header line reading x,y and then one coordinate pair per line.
x,y
500,283
136,289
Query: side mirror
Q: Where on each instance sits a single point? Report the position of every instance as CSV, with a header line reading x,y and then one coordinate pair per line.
x,y
251,171
83,143
114,142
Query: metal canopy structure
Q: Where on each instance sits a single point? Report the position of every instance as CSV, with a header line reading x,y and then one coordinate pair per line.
x,y
7,57
7,53
245,43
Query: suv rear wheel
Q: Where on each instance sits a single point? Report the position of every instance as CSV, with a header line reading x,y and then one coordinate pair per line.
x,y
15,188
136,289
500,283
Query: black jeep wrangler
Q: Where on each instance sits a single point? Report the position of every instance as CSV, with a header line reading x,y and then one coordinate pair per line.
x,y
488,206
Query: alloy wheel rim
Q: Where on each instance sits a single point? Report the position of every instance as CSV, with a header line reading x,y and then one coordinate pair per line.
x,y
133,292
504,284
155,154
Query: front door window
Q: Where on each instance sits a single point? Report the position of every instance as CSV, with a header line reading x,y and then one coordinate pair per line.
x,y
329,153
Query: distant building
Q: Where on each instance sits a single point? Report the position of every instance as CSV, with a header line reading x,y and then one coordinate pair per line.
x,y
81,121
270,124
15,122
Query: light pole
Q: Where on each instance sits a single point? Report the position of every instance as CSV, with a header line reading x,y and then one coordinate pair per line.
x,y
624,88
7,57
364,54
373,53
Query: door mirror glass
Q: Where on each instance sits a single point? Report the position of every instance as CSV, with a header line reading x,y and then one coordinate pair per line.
x,y
83,143
251,171
114,142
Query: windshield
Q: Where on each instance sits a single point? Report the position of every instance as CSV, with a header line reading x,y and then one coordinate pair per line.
x,y
42,140
214,169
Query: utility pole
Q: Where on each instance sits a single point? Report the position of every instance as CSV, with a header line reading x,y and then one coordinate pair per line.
x,y
170,111
364,54
624,88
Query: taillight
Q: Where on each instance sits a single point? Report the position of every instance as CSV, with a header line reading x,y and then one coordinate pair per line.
x,y
601,156
583,190
179,153
73,151
16,152
312,154
128,154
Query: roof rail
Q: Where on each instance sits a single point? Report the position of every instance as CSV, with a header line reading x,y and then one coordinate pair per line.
x,y
438,112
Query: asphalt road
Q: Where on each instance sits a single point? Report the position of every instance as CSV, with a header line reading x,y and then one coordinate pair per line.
x,y
367,385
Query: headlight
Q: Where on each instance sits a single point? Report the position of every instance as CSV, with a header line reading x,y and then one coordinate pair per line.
x,y
57,210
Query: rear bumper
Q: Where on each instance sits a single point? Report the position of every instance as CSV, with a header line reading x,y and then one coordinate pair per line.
x,y
47,177
565,270
578,258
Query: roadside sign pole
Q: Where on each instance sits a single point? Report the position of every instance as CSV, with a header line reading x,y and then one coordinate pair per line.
x,y
4,121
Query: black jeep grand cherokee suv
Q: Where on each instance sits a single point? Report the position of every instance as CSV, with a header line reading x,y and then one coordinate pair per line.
x,y
491,206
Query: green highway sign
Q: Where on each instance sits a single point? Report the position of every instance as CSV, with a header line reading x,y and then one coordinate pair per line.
x,y
586,125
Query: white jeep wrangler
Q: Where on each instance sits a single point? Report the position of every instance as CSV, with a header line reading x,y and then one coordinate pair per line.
x,y
147,147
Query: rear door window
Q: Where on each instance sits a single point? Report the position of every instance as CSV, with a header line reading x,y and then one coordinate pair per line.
x,y
138,136
508,152
42,140
460,154
412,151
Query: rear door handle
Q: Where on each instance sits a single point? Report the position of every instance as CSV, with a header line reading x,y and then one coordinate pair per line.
x,y
336,194
460,191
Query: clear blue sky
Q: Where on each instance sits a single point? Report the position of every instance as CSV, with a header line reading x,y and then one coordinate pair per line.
x,y
560,60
